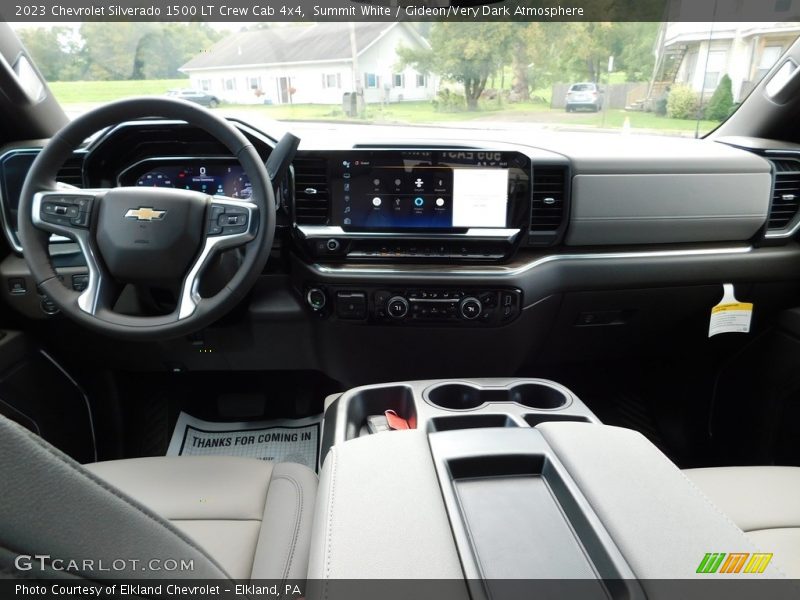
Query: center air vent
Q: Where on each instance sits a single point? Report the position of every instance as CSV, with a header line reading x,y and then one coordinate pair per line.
x,y
785,194
548,204
311,191
72,171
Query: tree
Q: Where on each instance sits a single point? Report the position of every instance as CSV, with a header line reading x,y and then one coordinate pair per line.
x,y
580,51
468,53
721,103
57,52
111,51
143,50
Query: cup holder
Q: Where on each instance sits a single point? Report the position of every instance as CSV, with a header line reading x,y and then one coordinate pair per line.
x,y
456,396
537,396
460,396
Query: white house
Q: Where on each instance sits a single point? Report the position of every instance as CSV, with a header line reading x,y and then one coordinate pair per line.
x,y
699,54
312,64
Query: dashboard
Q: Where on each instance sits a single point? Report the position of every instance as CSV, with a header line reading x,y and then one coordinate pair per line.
x,y
474,252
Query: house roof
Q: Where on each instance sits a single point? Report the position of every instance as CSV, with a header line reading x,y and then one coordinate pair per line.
x,y
289,45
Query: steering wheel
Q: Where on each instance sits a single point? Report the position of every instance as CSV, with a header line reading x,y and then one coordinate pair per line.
x,y
138,235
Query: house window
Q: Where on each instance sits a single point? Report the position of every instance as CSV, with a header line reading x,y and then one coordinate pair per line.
x,y
371,80
332,80
422,80
254,83
229,84
205,85
769,56
714,69
399,80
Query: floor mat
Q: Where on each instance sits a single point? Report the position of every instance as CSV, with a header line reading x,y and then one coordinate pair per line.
x,y
284,440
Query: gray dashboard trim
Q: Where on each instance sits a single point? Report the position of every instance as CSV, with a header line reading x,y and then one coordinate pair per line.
x,y
675,208
514,270
329,231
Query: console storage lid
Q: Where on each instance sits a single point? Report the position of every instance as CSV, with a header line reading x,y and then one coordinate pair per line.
x,y
428,505
661,523
380,514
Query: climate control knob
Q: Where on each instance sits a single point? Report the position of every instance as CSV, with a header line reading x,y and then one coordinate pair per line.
x,y
397,307
470,308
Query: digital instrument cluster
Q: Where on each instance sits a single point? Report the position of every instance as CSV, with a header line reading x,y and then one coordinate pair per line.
x,y
213,177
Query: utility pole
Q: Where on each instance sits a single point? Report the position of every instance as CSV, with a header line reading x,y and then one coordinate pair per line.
x,y
358,88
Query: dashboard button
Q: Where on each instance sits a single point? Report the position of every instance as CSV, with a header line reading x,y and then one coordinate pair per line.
x,y
316,299
397,307
351,305
470,308
17,286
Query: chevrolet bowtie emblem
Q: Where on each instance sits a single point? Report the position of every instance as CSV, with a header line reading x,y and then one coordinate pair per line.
x,y
145,214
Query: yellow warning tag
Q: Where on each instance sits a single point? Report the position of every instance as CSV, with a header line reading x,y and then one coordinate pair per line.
x,y
730,315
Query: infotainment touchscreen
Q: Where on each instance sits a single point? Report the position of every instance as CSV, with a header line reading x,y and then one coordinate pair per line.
x,y
435,190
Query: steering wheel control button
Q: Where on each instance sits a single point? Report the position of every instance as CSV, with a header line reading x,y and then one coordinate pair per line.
x,y
351,305
66,211
397,307
227,220
470,308
316,299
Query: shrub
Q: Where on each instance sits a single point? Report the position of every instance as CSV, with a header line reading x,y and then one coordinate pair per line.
x,y
721,103
447,101
682,103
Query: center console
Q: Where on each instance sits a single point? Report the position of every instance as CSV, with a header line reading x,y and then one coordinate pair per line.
x,y
502,488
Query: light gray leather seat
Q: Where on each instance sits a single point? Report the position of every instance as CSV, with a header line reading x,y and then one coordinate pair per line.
x,y
232,518
764,502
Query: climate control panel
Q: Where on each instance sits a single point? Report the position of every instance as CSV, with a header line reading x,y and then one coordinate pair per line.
x,y
416,306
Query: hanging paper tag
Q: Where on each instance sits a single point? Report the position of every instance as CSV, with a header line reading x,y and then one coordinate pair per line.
x,y
730,315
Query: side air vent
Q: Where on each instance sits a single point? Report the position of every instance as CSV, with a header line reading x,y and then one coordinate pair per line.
x,y
785,194
72,172
311,191
548,205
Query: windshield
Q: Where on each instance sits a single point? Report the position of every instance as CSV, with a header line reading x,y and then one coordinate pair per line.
x,y
681,78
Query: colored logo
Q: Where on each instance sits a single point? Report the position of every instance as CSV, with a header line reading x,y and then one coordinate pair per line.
x,y
145,214
734,563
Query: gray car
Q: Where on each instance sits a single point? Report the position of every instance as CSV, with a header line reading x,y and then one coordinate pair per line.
x,y
584,95
195,96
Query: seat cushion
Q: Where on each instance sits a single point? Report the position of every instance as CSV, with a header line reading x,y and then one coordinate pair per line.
x,y
764,502
253,517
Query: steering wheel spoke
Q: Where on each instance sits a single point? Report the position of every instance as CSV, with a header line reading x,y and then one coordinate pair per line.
x,y
69,213
230,223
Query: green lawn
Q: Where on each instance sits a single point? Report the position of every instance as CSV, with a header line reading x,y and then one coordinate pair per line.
x,y
77,92
425,113
641,120
404,112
